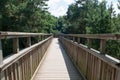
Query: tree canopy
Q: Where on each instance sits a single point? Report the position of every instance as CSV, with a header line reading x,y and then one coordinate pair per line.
x,y
26,16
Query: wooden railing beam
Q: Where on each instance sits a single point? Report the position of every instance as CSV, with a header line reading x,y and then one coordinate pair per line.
x,y
95,36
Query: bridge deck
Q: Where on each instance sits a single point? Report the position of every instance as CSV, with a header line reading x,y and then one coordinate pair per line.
x,y
57,65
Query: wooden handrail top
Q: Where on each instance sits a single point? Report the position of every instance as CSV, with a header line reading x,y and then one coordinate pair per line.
x,y
96,36
14,58
4,35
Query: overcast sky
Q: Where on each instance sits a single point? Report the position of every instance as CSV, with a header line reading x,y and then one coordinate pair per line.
x,y
59,7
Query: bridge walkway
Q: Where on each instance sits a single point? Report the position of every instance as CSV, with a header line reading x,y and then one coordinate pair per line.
x,y
56,65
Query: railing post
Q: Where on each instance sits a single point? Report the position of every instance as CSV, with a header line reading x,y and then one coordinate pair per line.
x,y
1,54
78,40
28,41
1,61
102,46
89,43
15,45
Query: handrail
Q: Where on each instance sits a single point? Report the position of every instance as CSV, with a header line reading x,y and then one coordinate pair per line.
x,y
93,64
4,35
96,36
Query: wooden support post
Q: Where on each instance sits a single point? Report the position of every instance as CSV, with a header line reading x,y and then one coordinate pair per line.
x,y
1,54
69,37
78,40
15,45
28,41
89,43
2,77
102,46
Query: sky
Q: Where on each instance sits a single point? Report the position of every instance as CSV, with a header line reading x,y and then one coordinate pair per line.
x,y
59,7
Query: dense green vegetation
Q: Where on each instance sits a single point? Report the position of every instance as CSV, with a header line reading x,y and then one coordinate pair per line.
x,y
26,16
83,16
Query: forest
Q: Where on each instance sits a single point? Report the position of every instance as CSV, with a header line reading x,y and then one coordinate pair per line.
x,y
82,17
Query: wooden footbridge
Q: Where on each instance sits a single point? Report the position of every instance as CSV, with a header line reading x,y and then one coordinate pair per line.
x,y
62,58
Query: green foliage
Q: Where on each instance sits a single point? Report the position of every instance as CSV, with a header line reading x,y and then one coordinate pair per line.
x,y
25,16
